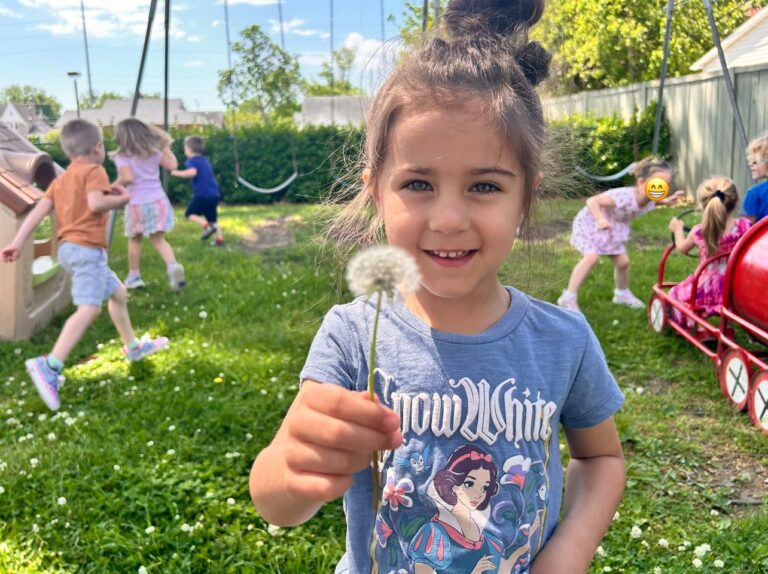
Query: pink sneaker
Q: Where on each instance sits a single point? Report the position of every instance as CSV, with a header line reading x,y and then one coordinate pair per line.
x,y
146,347
567,301
627,298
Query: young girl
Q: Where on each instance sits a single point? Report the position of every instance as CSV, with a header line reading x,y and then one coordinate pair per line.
x,y
142,150
602,228
464,382
718,232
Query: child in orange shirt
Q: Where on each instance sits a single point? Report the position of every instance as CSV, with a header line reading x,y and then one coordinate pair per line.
x,y
81,198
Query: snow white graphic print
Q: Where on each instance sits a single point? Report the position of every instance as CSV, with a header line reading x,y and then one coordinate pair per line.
x,y
471,515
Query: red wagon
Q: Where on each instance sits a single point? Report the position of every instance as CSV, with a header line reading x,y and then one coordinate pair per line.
x,y
742,368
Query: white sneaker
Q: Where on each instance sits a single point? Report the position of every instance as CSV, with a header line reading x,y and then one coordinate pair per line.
x,y
567,301
134,282
627,298
176,276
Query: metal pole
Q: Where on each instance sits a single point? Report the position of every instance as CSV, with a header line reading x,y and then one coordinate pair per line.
x,y
437,13
165,87
333,100
137,91
727,78
662,79
77,98
383,21
424,15
87,56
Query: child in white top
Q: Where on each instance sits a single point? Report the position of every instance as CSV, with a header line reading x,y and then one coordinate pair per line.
x,y
142,151
469,403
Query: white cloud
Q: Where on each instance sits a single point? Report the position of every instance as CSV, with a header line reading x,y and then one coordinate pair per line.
x,y
294,26
253,2
8,13
104,18
216,23
194,64
194,39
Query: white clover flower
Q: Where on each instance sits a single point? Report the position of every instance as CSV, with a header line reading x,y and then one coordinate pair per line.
x,y
35,528
697,563
718,563
701,551
150,443
34,462
61,501
231,501
636,532
143,570
42,417
2,490
149,529
272,529
171,428
115,467
383,269
657,570
203,314
51,436
170,452
186,527
616,516
714,512
663,542
600,551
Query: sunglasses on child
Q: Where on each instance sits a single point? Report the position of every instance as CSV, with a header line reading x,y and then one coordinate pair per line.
x,y
756,162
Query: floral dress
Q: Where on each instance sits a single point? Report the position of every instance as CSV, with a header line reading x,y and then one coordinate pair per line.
x,y
587,238
709,291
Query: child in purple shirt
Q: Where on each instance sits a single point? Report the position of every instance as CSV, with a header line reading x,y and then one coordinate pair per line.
x,y
142,150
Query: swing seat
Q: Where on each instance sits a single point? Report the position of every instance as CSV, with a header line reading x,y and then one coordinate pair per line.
x,y
257,189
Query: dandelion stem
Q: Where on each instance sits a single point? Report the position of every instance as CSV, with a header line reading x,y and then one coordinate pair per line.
x,y
372,395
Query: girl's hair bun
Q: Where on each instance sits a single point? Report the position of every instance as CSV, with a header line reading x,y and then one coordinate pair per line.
x,y
502,17
533,60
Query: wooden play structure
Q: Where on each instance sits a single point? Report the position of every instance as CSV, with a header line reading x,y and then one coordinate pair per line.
x,y
34,288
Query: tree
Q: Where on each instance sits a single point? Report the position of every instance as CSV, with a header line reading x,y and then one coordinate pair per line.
x,y
49,106
265,79
336,76
606,43
413,21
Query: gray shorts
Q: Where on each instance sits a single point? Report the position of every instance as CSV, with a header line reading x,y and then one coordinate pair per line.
x,y
93,282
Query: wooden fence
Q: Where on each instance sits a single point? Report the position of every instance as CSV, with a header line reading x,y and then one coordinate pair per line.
x,y
705,139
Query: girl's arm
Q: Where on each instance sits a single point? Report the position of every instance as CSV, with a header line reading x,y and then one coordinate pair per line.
x,y
124,176
101,201
595,482
595,205
328,434
188,173
682,243
168,160
13,251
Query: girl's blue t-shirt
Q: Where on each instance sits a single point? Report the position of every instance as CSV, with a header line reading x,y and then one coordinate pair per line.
x,y
479,475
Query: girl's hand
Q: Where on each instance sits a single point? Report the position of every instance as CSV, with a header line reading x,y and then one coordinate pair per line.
x,y
328,435
484,565
675,225
676,197
10,253
603,223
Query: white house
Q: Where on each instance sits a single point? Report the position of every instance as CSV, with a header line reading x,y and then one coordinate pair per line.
x,y
25,119
336,110
746,46
150,110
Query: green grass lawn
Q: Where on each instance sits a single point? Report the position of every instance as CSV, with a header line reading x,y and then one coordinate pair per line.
x,y
147,465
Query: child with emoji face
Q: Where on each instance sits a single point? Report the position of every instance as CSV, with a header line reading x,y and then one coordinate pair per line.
x,y
602,228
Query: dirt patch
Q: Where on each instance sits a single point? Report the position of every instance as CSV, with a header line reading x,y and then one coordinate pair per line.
x,y
744,475
270,234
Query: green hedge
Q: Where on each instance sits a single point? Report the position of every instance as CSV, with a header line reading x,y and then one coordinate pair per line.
x,y
603,146
324,154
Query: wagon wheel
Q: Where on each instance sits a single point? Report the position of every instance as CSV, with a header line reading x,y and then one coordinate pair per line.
x,y
758,400
734,377
657,314
686,230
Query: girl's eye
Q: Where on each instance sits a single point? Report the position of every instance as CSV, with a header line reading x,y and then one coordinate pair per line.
x,y
486,187
469,483
485,488
418,185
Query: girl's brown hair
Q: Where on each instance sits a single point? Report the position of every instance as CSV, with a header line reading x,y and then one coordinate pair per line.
x,y
650,165
135,138
718,197
480,55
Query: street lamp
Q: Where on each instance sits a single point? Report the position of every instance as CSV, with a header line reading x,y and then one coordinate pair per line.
x,y
75,76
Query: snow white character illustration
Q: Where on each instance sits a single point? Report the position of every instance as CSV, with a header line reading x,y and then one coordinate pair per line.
x,y
454,541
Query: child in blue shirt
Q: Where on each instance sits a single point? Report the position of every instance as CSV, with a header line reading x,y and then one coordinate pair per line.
x,y
205,189
755,205
473,377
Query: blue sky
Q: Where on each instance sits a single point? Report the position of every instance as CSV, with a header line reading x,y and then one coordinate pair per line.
x,y
42,40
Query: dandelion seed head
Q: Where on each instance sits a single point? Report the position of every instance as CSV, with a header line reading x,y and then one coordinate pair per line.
x,y
383,269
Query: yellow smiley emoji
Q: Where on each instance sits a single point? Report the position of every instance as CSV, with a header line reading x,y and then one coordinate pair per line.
x,y
656,189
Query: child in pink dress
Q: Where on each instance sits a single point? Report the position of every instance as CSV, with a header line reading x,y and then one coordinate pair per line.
x,y
717,233
602,228
142,151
